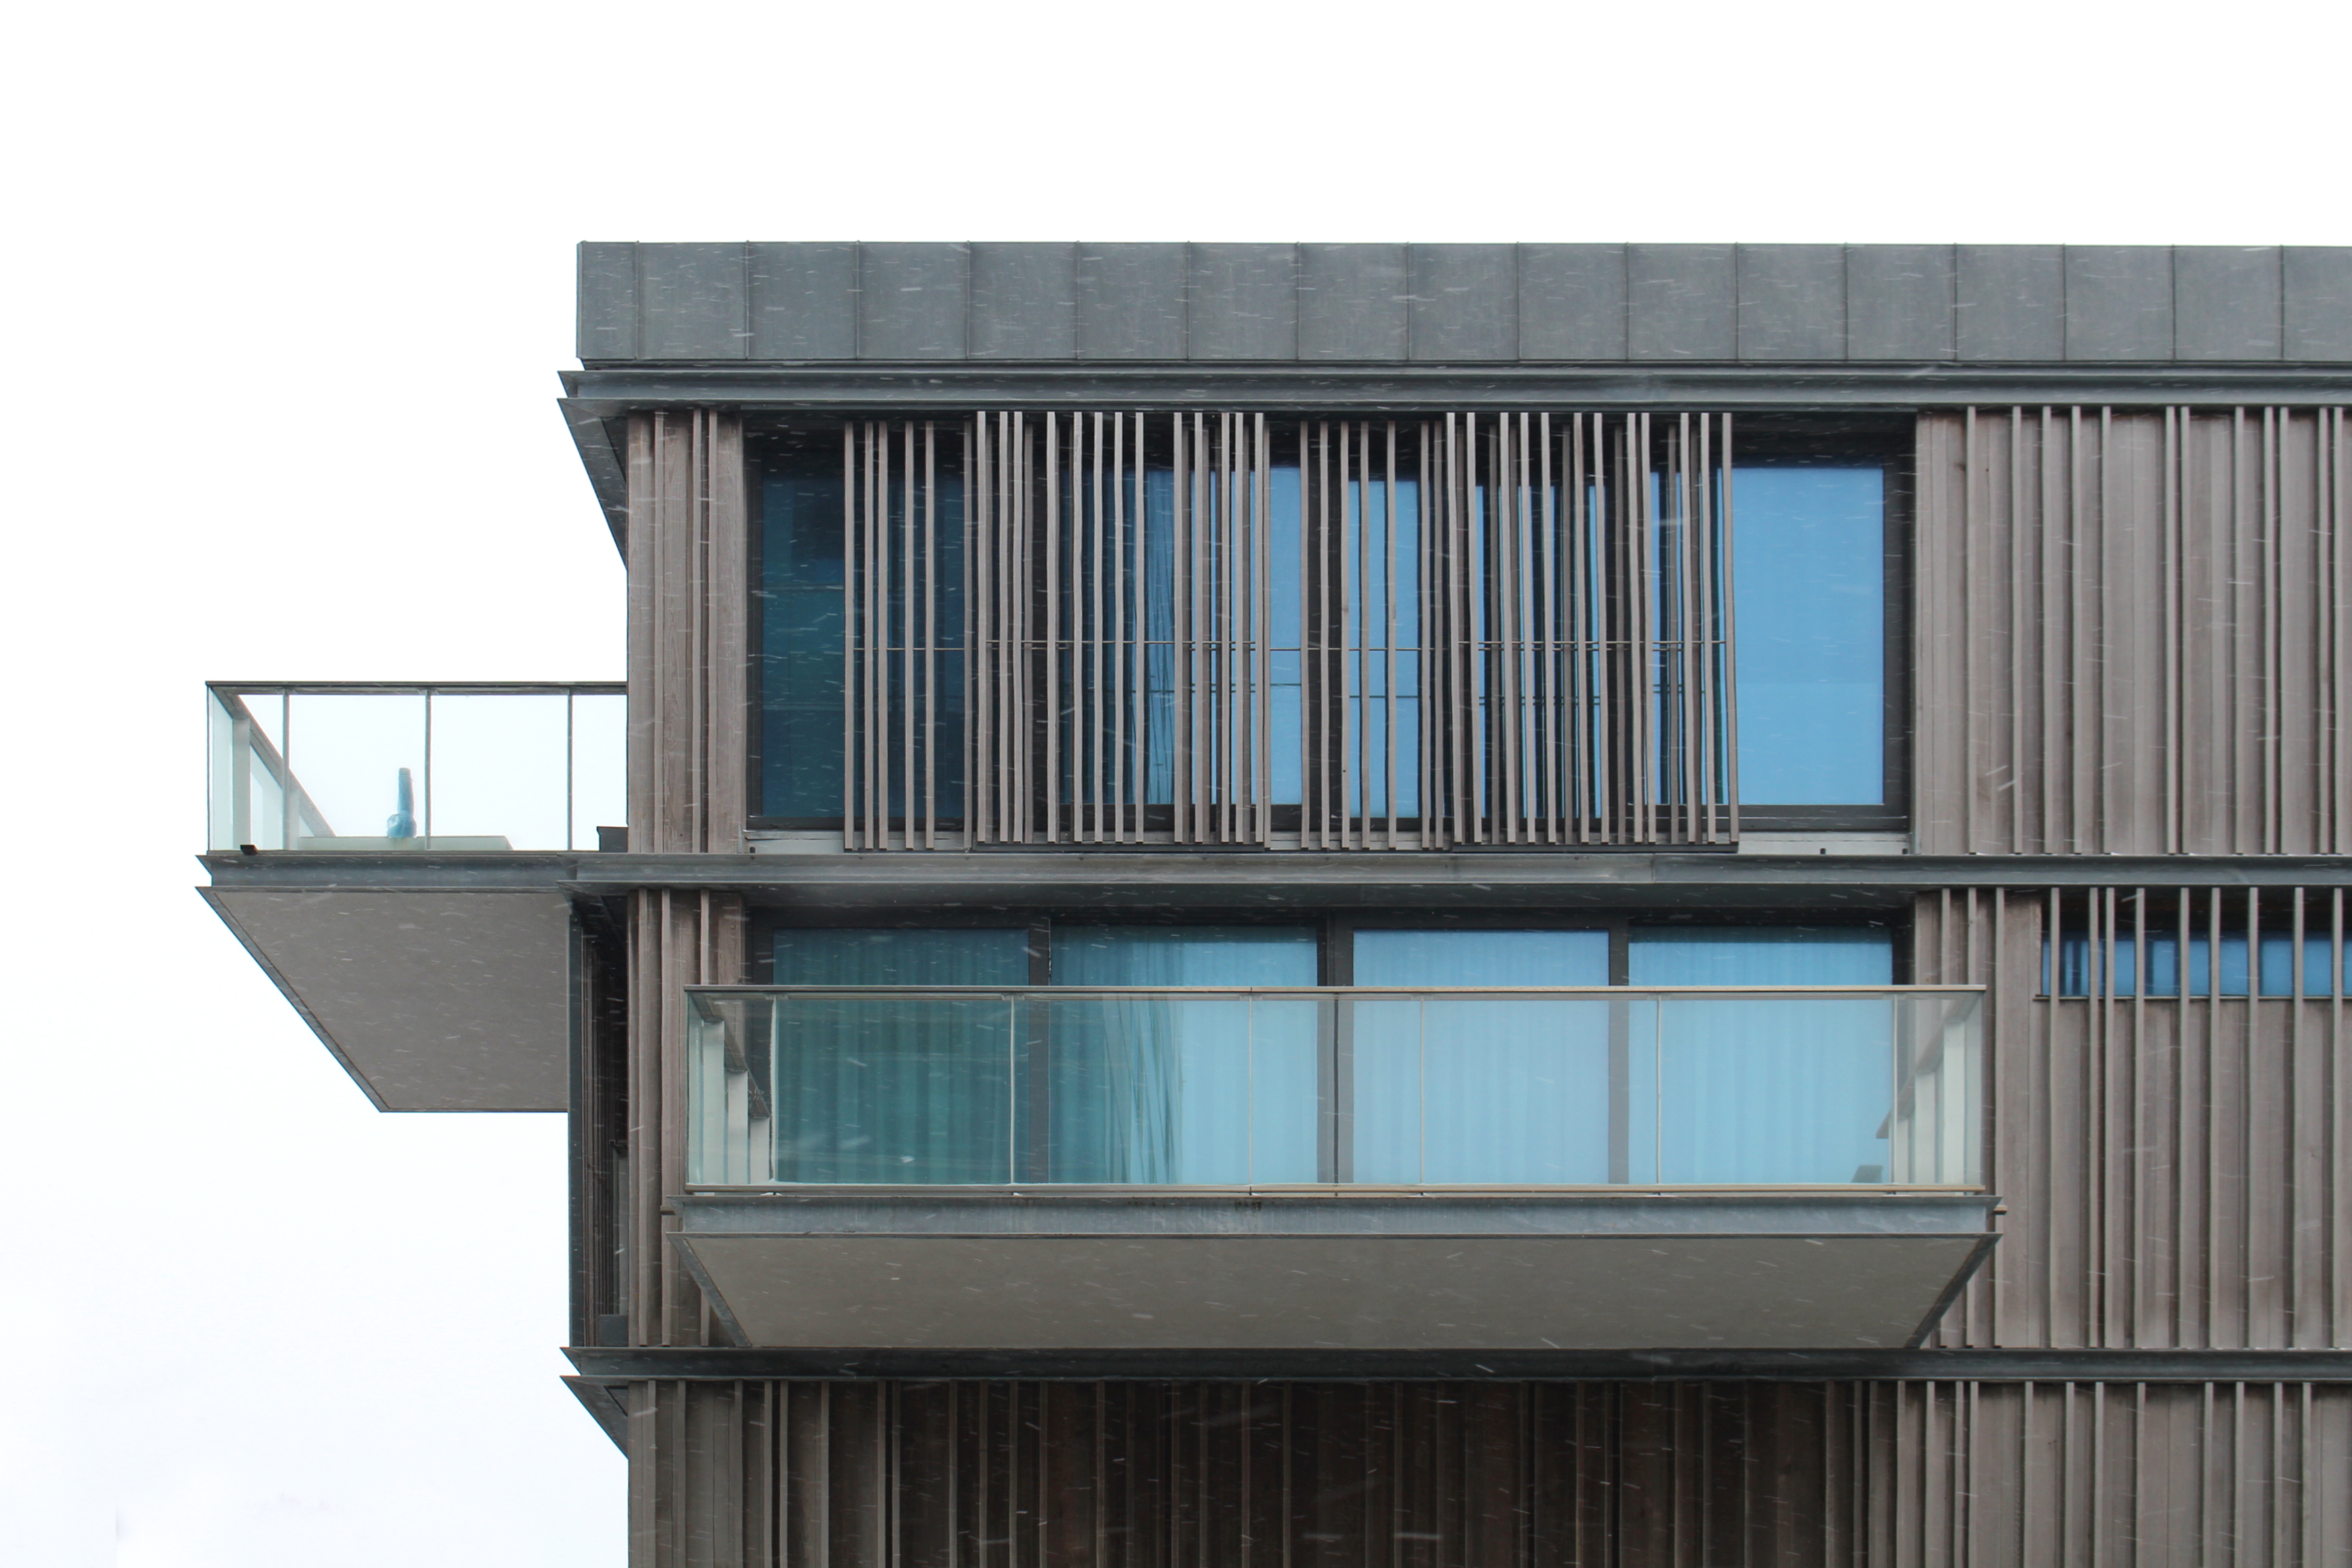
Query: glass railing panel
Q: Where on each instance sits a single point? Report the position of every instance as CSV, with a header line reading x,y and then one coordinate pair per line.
x,y
600,765
1208,1090
501,762
383,767
1290,1040
1570,1087
1935,1130
1486,1089
1773,1089
848,1090
1382,1035
361,758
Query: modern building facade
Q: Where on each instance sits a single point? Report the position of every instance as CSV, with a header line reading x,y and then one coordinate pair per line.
x,y
1501,905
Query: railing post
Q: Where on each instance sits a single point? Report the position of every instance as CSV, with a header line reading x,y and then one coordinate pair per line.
x,y
1335,1157
1621,1088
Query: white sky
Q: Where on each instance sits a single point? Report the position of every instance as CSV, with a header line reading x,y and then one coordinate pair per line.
x,y
289,285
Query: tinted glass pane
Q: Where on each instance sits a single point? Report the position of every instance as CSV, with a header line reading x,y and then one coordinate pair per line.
x,y
1476,1091
1792,1090
1183,955
801,640
891,1089
1482,958
1197,1090
2081,971
1809,585
498,766
1761,955
988,957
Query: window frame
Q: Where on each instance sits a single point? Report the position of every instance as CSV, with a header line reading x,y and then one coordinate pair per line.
x,y
1885,442
1334,931
1814,441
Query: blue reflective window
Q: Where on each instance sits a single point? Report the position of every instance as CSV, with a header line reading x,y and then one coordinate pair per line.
x,y
802,632
1482,958
2081,971
1760,955
800,642
1183,955
1809,589
996,956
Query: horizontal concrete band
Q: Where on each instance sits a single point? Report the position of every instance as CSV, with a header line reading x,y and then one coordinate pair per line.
x,y
623,1365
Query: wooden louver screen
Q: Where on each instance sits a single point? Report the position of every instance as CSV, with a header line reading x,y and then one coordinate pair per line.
x,y
903,659
1201,628
1555,590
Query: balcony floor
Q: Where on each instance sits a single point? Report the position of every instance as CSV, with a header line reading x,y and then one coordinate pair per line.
x,y
966,1268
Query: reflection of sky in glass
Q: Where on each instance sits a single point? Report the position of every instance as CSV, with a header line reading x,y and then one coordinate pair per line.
x,y
2082,972
347,750
498,766
1482,958
1761,955
1809,591
1785,1090
600,775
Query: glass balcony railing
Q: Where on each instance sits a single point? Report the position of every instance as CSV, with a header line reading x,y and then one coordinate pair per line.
x,y
472,766
1615,1087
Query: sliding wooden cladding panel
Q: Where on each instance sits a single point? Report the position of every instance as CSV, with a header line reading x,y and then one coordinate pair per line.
x,y
690,600
2173,1167
1459,629
1497,1475
2134,631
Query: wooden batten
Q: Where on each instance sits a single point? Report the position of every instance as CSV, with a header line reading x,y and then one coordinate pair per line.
x,y
689,603
1507,1474
2134,632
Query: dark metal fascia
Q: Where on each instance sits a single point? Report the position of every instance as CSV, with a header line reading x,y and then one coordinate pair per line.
x,y
1306,873
1611,1366
605,390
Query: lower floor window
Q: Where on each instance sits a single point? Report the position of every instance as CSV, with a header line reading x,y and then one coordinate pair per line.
x,y
1204,1054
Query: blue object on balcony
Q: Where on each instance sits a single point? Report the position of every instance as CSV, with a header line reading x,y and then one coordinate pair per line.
x,y
401,822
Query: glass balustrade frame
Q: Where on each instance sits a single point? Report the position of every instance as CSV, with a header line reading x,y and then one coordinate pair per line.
x,y
258,798
1706,1088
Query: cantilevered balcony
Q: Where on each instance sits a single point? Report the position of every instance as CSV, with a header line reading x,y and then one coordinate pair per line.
x,y
1332,1168
462,767
342,807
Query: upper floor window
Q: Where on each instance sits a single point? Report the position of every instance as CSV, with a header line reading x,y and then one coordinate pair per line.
x,y
1537,629
1809,569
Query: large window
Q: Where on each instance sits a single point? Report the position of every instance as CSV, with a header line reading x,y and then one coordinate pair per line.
x,y
1537,629
1152,1054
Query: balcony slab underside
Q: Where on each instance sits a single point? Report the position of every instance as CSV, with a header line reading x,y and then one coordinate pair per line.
x,y
431,999
1330,1270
